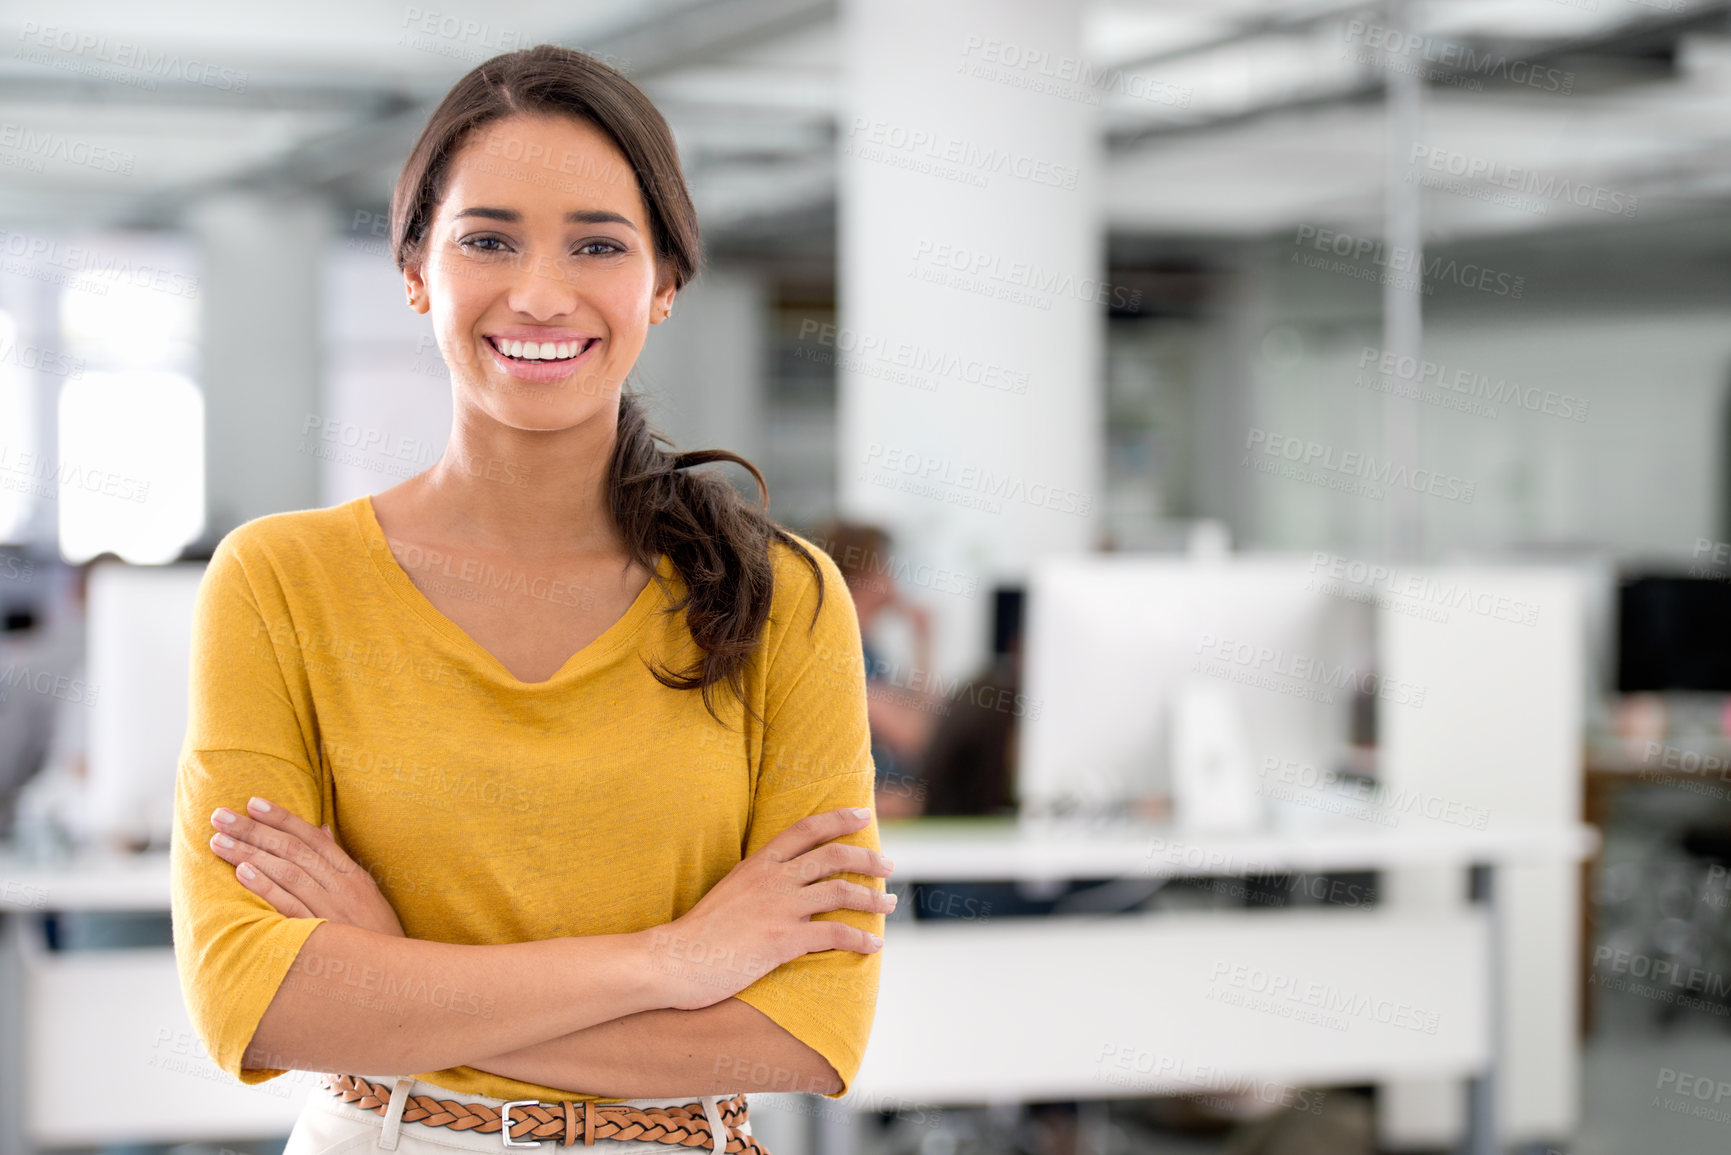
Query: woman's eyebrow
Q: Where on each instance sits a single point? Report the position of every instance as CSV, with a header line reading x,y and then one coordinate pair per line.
x,y
575,217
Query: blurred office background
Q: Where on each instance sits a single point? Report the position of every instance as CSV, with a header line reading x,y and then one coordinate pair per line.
x,y
1145,357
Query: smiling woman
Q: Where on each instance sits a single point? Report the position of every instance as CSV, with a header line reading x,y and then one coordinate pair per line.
x,y
480,853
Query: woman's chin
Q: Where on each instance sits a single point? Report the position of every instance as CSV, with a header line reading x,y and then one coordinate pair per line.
x,y
543,407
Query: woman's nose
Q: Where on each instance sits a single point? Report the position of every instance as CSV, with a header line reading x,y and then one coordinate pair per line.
x,y
543,288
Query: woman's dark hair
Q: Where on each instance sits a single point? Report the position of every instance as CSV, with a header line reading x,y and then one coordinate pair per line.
x,y
717,542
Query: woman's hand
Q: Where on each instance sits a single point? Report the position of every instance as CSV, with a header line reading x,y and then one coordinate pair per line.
x,y
299,868
759,915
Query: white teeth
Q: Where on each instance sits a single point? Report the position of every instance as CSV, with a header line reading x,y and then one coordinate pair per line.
x,y
541,350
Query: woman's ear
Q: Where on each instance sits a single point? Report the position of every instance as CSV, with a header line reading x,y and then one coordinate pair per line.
x,y
417,288
661,304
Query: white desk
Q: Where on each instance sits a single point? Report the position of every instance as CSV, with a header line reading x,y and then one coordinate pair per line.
x,y
1080,1007
1093,1007
110,1018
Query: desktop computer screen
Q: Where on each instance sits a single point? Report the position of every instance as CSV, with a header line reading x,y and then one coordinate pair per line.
x,y
1674,633
139,641
1131,657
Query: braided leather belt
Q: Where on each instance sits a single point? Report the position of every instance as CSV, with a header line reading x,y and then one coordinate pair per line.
x,y
526,1122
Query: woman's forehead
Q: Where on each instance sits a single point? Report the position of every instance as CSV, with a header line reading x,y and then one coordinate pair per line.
x,y
542,166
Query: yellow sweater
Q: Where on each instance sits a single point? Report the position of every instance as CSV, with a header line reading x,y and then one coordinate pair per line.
x,y
492,810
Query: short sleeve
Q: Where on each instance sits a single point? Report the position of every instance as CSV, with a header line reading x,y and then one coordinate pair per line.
x,y
244,737
816,757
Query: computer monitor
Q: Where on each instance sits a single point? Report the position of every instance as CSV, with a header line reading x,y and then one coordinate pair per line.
x,y
1674,634
1114,641
139,642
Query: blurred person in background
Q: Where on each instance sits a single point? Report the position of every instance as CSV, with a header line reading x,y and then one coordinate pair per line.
x,y
970,764
902,710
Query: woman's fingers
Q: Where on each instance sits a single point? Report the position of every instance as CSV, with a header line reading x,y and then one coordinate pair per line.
x,y
282,884
262,885
841,857
275,830
837,894
814,830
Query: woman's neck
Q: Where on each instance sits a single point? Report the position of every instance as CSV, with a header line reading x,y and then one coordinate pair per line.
x,y
529,493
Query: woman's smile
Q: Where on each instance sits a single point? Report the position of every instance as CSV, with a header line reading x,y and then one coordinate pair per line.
x,y
539,354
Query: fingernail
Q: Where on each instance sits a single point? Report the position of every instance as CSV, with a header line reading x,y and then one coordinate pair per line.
x,y
258,804
224,841
894,898
877,940
245,870
889,863
225,816
861,812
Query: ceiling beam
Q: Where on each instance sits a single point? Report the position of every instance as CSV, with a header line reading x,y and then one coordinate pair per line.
x,y
1640,35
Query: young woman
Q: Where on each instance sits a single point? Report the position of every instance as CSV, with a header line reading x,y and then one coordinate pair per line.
x,y
541,779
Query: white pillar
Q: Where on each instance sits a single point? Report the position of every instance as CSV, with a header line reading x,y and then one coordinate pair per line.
x,y
261,258
970,296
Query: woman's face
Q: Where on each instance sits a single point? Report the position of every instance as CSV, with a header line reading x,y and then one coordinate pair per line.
x,y
539,271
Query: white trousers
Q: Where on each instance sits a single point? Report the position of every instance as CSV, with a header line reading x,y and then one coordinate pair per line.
x,y
329,1126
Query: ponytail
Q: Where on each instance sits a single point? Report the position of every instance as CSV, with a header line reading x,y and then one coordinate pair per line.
x,y
718,544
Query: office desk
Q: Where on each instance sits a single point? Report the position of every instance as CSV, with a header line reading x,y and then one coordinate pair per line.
x,y
112,1019
1082,1007
1093,1007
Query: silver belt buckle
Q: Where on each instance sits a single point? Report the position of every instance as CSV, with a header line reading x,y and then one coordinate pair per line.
x,y
505,1123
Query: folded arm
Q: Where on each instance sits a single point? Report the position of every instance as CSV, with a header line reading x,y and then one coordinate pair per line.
x,y
730,1046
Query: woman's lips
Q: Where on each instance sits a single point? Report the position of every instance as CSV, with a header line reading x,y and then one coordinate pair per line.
x,y
540,371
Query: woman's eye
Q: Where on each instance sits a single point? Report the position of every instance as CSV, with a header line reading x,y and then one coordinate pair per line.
x,y
607,248
486,244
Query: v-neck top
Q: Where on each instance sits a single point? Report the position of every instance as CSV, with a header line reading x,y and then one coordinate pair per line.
x,y
484,578
492,810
